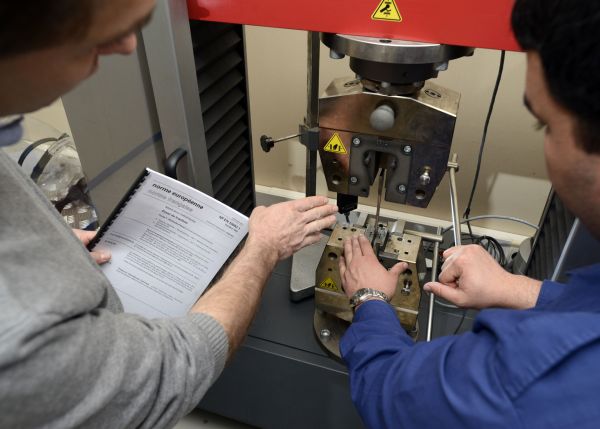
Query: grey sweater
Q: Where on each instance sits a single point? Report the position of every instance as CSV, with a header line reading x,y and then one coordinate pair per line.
x,y
69,356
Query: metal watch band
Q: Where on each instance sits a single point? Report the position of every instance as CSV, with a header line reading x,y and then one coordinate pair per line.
x,y
366,294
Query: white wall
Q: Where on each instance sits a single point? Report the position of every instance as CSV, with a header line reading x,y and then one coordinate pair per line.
x,y
54,115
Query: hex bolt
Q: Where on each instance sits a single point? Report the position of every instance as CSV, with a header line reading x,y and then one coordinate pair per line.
x,y
425,178
402,189
356,141
407,149
354,180
325,334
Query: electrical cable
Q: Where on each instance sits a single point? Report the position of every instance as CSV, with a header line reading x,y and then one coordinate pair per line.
x,y
500,217
462,320
485,131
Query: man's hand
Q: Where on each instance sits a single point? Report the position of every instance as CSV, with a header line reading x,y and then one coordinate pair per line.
x,y
85,237
276,232
359,268
471,278
282,229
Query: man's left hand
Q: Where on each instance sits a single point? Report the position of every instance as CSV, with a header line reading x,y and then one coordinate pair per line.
x,y
85,237
359,268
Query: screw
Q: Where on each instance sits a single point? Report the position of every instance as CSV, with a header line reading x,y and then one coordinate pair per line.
x,y
432,93
354,180
425,178
407,149
325,334
401,189
356,141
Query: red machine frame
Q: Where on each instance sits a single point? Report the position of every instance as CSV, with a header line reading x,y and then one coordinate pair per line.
x,y
475,23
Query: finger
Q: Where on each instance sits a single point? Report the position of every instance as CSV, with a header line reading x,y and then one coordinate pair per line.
x,y
399,268
342,266
356,250
451,251
448,261
450,275
348,250
320,224
320,212
101,257
305,204
365,246
445,292
310,239
84,236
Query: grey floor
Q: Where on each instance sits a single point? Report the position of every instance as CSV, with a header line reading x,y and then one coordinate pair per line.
x,y
202,420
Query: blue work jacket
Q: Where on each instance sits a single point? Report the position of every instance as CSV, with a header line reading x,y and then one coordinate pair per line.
x,y
537,368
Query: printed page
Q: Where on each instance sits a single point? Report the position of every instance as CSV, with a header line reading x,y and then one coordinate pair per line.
x,y
167,244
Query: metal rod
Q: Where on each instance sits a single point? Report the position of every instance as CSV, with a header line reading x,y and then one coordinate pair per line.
x,y
281,139
312,109
434,268
434,238
452,166
379,192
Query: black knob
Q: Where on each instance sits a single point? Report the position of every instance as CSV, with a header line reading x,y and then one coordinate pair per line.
x,y
266,143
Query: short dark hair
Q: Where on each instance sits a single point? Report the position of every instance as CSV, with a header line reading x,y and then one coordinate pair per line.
x,y
29,25
566,35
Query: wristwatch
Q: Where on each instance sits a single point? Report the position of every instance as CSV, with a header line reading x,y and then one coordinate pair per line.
x,y
366,294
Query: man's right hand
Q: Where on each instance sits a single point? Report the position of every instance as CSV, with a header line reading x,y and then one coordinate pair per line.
x,y
471,278
282,229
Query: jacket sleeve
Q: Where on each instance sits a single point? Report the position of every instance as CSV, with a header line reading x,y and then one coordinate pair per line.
x,y
105,369
549,292
396,383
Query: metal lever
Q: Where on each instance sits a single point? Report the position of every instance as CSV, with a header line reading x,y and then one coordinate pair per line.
x,y
267,143
434,268
172,161
452,169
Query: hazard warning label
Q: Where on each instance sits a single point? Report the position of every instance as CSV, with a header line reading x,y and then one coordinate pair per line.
x,y
335,145
329,284
387,11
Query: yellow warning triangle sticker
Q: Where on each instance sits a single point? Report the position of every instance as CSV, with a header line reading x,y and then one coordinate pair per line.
x,y
387,11
335,145
328,283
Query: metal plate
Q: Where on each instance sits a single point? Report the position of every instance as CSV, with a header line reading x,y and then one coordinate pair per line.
x,y
393,51
425,122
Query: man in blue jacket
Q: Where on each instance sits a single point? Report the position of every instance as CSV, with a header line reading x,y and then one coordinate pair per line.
x,y
532,359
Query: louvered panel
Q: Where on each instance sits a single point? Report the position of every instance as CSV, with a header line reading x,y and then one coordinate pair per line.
x,y
216,71
233,181
223,86
246,208
226,176
208,32
221,164
245,196
206,54
561,227
221,72
553,236
239,194
224,125
237,132
222,108
239,161
550,240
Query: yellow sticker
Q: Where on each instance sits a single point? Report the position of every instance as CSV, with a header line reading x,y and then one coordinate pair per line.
x,y
387,11
328,283
335,145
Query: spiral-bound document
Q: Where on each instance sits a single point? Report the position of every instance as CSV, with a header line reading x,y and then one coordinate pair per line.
x,y
168,241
